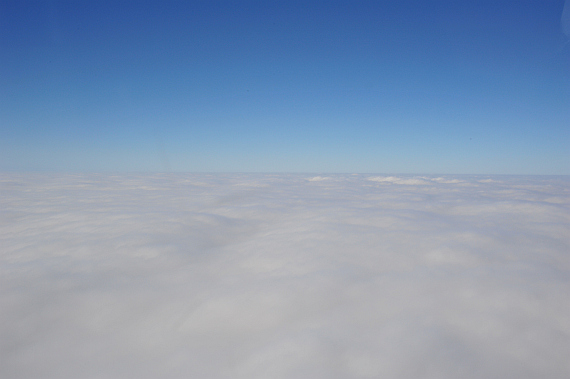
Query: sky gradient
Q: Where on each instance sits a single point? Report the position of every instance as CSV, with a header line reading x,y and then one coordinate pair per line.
x,y
467,87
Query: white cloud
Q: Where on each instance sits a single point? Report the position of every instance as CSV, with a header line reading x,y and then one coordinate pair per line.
x,y
256,276
446,180
397,180
318,178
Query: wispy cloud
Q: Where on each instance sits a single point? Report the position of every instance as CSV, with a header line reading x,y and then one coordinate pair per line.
x,y
565,19
284,276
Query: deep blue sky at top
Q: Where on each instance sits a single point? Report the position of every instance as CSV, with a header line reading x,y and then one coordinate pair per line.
x,y
319,86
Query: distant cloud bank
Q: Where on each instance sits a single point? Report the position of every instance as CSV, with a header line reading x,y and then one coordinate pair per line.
x,y
284,276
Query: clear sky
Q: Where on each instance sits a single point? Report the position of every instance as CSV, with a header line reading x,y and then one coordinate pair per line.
x,y
355,86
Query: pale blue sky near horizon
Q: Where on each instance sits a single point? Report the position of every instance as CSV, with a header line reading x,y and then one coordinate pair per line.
x,y
428,87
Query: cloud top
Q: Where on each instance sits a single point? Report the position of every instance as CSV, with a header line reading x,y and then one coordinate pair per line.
x,y
284,276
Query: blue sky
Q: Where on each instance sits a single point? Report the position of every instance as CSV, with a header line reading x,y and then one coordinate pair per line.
x,y
363,86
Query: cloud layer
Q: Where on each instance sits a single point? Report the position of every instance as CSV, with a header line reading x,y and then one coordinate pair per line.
x,y
284,276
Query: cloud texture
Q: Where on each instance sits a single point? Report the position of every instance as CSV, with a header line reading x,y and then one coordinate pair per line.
x,y
284,276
